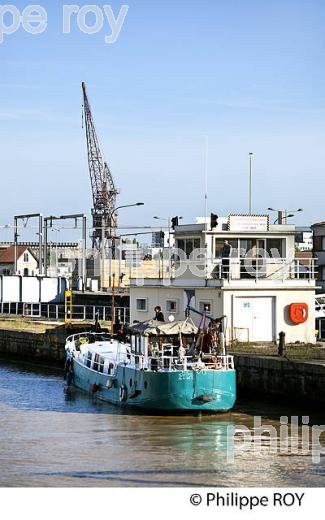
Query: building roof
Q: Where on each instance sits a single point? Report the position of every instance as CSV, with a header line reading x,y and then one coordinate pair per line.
x,y
300,229
7,255
319,224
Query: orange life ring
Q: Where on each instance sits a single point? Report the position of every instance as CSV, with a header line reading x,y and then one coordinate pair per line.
x,y
298,313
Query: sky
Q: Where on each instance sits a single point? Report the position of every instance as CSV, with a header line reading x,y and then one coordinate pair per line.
x,y
248,75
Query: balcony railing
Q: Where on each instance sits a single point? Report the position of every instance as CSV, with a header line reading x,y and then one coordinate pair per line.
x,y
262,268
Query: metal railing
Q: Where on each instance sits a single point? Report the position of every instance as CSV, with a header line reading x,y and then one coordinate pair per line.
x,y
183,363
264,268
52,311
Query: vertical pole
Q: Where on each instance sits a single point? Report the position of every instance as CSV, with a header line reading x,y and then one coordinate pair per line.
x,y
45,246
120,263
169,252
84,233
102,256
113,304
250,181
40,236
15,245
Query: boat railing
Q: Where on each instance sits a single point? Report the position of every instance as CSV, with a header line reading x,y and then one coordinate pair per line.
x,y
183,363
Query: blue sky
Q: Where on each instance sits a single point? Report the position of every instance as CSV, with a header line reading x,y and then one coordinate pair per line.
x,y
250,75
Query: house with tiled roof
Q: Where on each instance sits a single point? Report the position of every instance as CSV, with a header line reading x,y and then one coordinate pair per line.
x,y
27,263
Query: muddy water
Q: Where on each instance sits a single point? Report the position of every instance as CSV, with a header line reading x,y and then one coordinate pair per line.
x,y
51,436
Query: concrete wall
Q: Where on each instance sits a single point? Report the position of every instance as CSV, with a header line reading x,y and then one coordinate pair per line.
x,y
280,378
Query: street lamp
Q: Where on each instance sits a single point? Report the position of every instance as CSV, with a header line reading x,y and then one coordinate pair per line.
x,y
284,214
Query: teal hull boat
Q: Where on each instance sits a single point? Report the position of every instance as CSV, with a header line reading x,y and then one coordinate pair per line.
x,y
147,374
211,390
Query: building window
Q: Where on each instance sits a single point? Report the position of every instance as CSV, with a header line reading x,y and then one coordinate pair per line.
x,y
220,242
171,306
274,247
188,245
25,257
205,307
319,243
141,304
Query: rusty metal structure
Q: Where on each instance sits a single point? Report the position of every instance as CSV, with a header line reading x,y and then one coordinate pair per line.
x,y
104,191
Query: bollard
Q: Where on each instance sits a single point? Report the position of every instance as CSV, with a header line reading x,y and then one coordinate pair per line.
x,y
282,343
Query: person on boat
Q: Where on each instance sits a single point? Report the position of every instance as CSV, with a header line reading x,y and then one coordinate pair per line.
x,y
159,315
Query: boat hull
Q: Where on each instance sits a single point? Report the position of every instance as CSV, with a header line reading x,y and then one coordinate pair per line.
x,y
206,390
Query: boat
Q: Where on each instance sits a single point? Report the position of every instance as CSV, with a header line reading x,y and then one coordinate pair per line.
x,y
156,367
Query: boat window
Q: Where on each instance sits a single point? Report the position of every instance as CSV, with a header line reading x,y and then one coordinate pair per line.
x,y
89,356
96,362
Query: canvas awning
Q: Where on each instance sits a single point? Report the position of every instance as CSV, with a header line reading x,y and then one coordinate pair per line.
x,y
156,328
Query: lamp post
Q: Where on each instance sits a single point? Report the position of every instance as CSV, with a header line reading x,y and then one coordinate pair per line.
x,y
284,214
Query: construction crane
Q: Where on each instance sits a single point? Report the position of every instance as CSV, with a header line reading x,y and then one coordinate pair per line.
x,y
104,191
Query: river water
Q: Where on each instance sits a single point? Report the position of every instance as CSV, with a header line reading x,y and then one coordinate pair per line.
x,y
52,436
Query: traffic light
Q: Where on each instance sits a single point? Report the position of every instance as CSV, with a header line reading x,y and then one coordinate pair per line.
x,y
175,221
162,236
213,221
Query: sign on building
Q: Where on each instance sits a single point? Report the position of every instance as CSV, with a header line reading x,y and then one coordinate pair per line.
x,y
248,223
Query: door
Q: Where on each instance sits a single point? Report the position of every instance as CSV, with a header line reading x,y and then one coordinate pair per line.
x,y
253,318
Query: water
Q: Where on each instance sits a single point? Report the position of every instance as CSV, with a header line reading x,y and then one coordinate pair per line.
x,y
51,436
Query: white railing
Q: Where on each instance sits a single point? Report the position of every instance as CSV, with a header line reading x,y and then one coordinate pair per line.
x,y
184,363
264,268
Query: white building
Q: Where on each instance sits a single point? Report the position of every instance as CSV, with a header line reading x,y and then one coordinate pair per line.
x,y
304,238
264,290
27,263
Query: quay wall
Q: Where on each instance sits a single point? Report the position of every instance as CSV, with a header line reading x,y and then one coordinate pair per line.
x,y
280,378
34,347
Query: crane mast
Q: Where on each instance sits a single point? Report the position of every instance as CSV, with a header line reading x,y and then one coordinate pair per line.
x,y
104,191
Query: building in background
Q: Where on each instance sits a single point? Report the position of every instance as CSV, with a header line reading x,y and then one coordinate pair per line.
x,y
319,252
27,263
304,238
